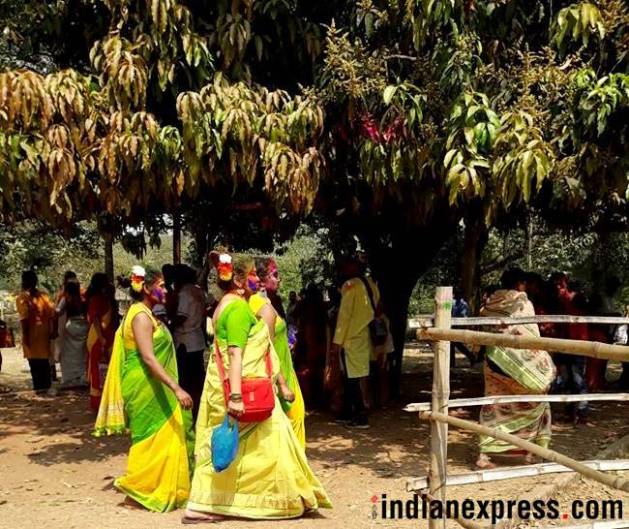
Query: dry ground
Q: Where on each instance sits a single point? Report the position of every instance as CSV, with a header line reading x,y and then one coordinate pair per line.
x,y
55,475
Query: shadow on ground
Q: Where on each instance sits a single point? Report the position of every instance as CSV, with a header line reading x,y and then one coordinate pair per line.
x,y
57,428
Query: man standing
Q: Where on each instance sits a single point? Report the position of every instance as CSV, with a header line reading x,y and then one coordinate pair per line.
x,y
189,334
37,318
571,368
352,339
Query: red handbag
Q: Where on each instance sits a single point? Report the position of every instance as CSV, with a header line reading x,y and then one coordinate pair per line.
x,y
258,396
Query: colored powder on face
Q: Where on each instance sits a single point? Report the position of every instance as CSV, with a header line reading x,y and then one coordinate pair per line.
x,y
252,284
158,293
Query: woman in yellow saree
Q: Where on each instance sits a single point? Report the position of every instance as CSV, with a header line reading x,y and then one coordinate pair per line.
x,y
141,394
270,477
263,307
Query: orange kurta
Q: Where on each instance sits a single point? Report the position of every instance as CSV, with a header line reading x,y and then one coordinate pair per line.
x,y
38,311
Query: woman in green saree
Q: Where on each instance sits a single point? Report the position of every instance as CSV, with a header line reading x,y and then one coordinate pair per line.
x,y
266,305
141,394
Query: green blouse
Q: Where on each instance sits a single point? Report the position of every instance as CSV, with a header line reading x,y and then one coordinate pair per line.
x,y
234,324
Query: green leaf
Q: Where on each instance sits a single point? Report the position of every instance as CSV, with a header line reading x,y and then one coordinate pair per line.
x,y
389,92
449,156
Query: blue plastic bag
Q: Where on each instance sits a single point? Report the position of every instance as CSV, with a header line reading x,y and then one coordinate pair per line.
x,y
224,444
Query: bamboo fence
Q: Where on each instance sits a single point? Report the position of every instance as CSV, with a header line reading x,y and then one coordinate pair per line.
x,y
600,350
524,471
437,411
615,482
427,320
507,399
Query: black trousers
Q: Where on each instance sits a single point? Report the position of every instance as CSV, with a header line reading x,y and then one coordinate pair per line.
x,y
624,377
463,348
353,404
40,373
191,375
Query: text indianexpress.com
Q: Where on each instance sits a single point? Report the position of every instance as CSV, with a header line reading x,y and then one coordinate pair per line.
x,y
419,507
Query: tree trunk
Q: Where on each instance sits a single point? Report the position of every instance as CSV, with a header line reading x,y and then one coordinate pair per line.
x,y
176,236
397,274
108,239
201,260
473,245
529,240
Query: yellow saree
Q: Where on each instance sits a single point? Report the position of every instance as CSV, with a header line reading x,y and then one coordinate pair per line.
x,y
270,477
159,465
296,410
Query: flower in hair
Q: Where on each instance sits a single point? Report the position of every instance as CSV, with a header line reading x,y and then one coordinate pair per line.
x,y
225,268
137,278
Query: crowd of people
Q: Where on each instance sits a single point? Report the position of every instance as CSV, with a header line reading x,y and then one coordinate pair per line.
x,y
160,372
179,362
75,330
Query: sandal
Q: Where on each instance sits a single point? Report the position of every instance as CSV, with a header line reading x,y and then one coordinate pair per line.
x,y
201,518
190,520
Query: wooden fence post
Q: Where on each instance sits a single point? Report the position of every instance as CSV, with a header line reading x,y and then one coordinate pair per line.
x,y
440,396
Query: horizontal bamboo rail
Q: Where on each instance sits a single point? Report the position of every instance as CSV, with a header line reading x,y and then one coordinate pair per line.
x,y
605,351
428,319
545,453
524,471
507,399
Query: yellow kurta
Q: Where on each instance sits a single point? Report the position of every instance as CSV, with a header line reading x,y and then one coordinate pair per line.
x,y
352,325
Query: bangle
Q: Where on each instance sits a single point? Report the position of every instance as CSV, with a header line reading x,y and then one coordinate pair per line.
x,y
235,397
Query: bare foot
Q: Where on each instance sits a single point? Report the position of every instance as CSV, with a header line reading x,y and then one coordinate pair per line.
x,y
484,463
532,459
195,517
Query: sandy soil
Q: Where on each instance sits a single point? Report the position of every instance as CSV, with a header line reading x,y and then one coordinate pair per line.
x,y
55,475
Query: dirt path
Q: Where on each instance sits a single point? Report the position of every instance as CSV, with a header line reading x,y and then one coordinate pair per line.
x,y
55,475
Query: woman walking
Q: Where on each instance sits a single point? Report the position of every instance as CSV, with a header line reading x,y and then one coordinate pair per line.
x,y
511,371
100,336
269,477
72,311
267,306
141,385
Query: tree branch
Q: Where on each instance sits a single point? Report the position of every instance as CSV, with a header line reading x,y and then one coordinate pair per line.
x,y
501,262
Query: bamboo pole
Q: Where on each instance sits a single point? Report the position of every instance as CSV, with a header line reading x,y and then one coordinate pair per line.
x,y
605,351
550,455
426,320
507,399
524,471
440,396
